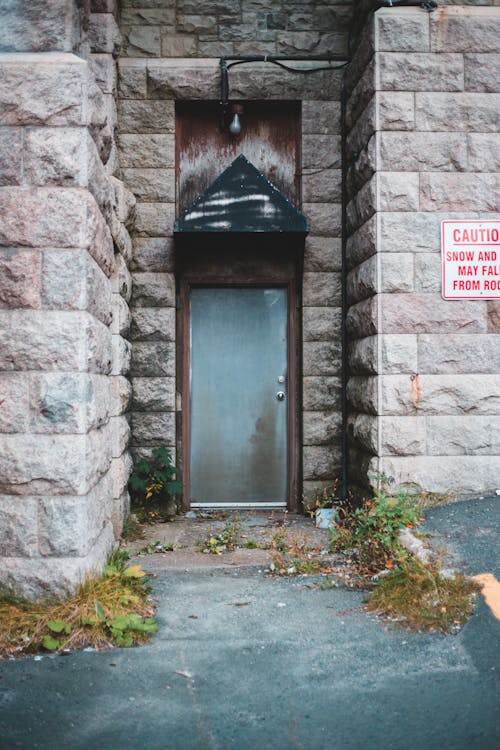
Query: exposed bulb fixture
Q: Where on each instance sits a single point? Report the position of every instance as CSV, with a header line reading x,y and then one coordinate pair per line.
x,y
235,112
235,125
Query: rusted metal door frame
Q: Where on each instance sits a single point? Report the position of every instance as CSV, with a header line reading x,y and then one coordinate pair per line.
x,y
187,283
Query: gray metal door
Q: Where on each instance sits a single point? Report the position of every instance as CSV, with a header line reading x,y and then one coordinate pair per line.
x,y
238,396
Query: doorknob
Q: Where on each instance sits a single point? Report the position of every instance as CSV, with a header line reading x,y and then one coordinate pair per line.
x,y
280,396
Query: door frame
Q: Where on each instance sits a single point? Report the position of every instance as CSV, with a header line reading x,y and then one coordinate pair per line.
x,y
188,282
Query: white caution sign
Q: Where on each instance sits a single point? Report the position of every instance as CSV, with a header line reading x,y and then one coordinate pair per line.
x,y
471,259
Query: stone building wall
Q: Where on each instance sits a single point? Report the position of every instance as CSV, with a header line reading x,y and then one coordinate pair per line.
x,y
425,385
171,54
63,292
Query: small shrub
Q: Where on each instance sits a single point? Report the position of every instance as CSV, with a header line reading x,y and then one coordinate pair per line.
x,y
419,597
154,485
370,532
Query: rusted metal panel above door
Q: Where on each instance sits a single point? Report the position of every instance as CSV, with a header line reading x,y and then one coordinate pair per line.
x,y
269,139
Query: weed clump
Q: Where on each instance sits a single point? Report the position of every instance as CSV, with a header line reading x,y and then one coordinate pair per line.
x,y
370,532
111,609
419,597
226,540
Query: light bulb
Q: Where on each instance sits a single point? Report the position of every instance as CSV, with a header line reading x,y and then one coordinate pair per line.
x,y
235,126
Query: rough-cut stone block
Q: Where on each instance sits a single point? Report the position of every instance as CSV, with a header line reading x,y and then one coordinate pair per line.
x,y
361,94
120,471
136,116
68,403
459,192
362,393
396,272
121,280
153,358
363,205
482,73
409,232
321,118
153,324
153,394
466,30
365,126
147,151
142,15
151,184
122,317
196,24
120,395
51,464
11,148
402,30
362,243
403,71
47,216
321,393
121,355
458,436
322,254
142,41
19,278
363,355
320,289
363,430
153,428
104,34
427,313
403,436
48,90
34,26
321,151
362,281
427,272
153,254
103,68
470,475
387,353
155,219
321,323
321,357
484,152
14,403
441,394
322,186
398,191
171,80
52,340
63,526
321,428
321,461
132,79
362,318
72,280
458,353
18,526
422,152
458,111
120,435
493,313
154,290
55,156
396,110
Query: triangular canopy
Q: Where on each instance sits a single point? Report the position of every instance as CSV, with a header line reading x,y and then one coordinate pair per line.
x,y
241,199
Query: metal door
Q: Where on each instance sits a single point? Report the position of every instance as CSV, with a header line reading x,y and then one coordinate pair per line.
x,y
238,396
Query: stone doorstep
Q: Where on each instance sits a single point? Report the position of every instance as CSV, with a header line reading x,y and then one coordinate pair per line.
x,y
186,534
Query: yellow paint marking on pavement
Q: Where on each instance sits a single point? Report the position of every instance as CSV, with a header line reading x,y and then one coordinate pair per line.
x,y
491,591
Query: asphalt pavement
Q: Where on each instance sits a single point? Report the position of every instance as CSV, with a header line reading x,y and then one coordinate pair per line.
x,y
243,660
